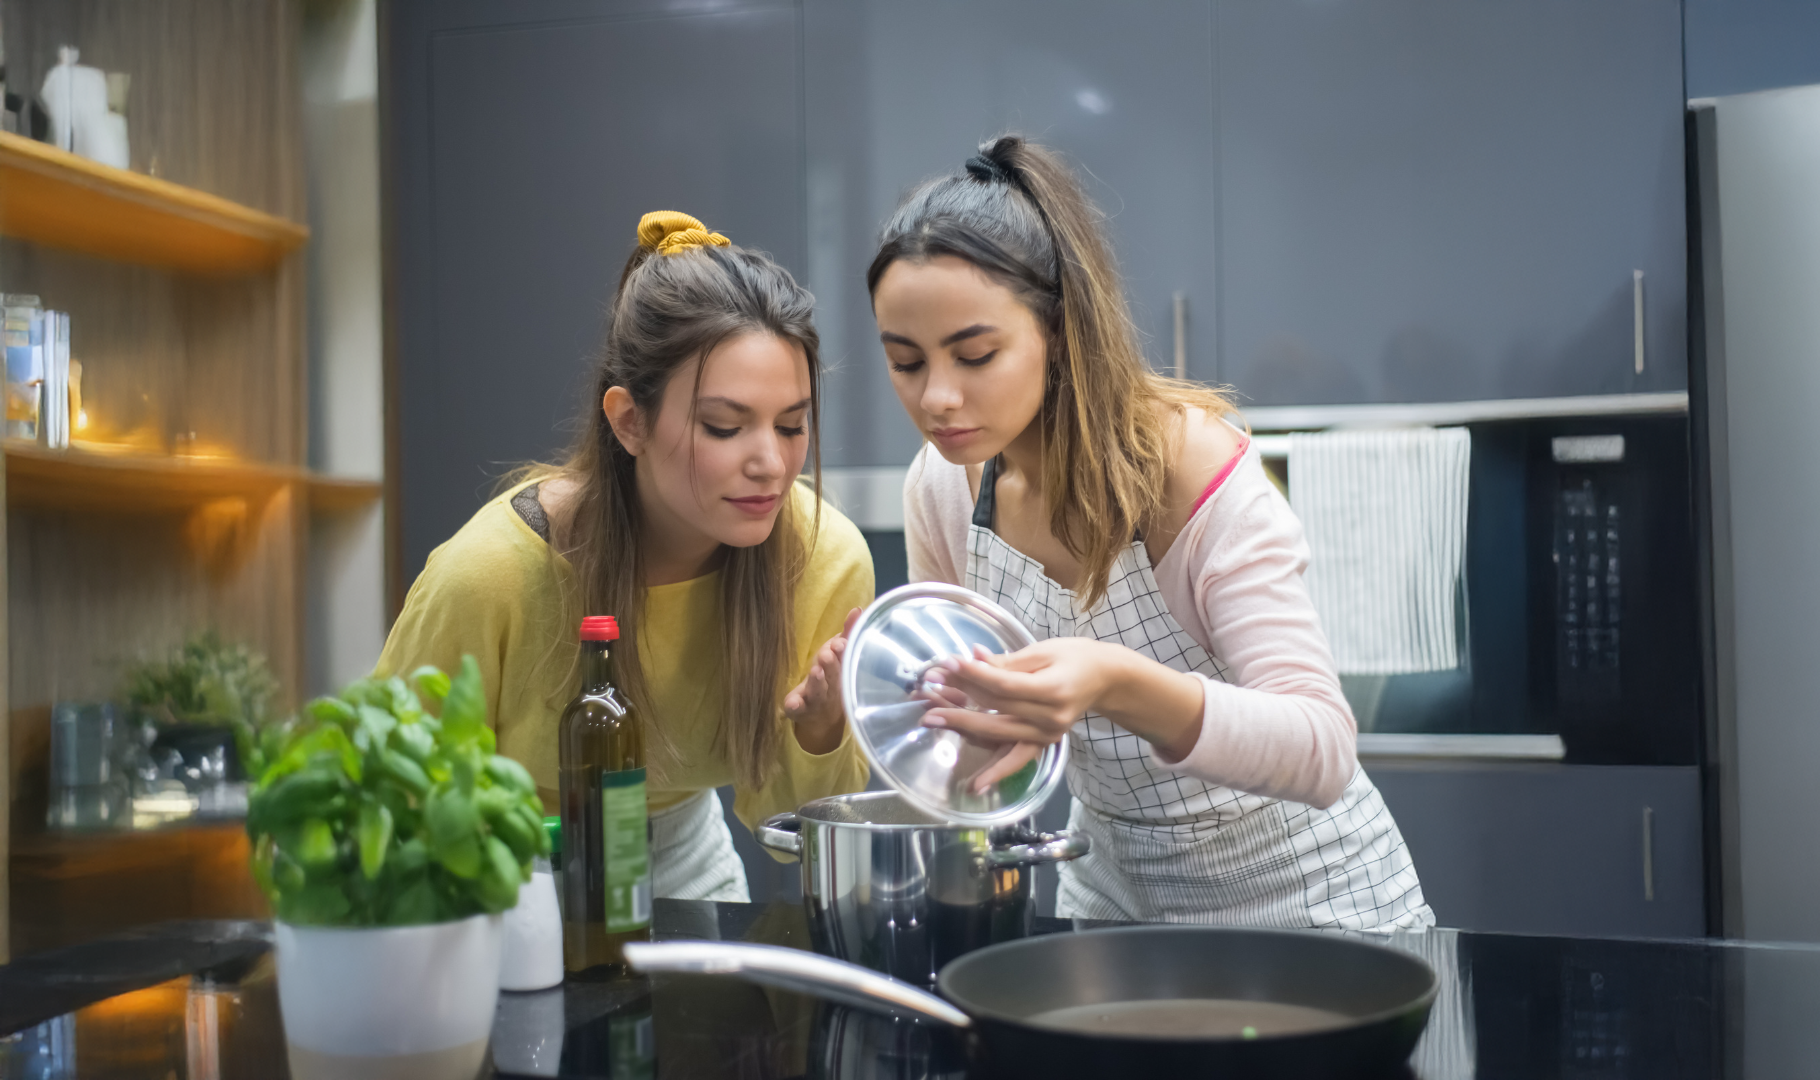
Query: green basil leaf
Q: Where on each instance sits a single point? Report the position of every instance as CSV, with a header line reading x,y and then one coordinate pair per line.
x,y
464,710
463,769
531,814
292,798
314,905
500,877
286,874
324,741
330,710
461,856
406,772
397,799
454,826
415,905
498,807
375,725
410,858
431,682
511,774
351,760
265,853
366,692
414,741
315,844
375,833
404,704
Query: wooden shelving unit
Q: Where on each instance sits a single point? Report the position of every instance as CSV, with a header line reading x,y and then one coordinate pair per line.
x,y
85,480
52,197
189,309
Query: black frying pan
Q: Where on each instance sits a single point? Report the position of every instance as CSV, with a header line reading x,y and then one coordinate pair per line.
x,y
1379,997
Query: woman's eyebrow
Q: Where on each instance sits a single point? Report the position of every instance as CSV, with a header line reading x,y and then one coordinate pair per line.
x,y
975,330
972,331
726,402
746,410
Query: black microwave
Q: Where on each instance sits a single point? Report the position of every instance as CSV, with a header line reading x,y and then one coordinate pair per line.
x,y
1581,613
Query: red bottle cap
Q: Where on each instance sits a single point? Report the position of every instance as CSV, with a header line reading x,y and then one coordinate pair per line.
x,y
600,628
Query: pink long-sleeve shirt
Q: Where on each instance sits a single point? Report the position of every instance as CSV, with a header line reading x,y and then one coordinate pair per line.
x,y
1233,581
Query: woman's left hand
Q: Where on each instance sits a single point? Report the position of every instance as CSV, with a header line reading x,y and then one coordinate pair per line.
x,y
1036,693
1039,692
814,705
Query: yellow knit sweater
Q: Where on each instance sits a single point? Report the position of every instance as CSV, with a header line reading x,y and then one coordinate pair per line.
x,y
497,591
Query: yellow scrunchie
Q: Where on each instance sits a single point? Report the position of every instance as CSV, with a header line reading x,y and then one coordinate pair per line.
x,y
671,231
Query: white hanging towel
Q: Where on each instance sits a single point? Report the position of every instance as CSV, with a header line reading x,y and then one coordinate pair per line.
x,y
1385,516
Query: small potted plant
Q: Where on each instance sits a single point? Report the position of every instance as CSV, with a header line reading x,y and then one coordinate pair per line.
x,y
389,840
204,705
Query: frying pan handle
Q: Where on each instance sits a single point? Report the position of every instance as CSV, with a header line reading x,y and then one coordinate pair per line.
x,y
782,832
1046,848
794,969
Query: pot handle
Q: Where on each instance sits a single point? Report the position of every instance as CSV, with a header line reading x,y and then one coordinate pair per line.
x,y
782,832
794,969
1043,848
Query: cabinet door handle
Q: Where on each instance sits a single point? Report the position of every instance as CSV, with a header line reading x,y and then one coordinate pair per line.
x,y
1180,311
1649,854
1636,317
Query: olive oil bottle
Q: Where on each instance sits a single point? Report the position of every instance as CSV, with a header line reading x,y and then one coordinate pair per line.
x,y
606,852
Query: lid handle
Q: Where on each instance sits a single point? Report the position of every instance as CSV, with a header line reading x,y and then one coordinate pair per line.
x,y
782,832
1046,848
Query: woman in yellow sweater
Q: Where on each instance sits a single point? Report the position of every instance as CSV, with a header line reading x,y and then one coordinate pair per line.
x,y
679,511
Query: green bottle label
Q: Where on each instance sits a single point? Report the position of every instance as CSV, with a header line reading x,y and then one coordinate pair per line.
x,y
626,850
632,1047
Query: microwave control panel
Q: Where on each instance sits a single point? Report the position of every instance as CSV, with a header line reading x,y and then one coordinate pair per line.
x,y
1588,593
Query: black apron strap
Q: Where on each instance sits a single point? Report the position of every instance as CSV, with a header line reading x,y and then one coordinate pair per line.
x,y
985,508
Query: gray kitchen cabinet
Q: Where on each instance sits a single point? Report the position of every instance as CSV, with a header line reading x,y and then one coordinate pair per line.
x,y
1608,850
524,142
1423,200
898,92
1532,848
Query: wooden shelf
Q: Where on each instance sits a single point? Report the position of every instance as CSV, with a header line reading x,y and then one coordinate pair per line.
x,y
338,495
53,197
71,887
85,480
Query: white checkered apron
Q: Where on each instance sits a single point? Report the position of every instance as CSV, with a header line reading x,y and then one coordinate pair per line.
x,y
692,852
1170,848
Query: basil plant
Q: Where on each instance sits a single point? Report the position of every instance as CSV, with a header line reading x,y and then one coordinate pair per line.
x,y
367,810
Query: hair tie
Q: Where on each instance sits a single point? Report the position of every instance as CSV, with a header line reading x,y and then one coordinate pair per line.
x,y
670,232
986,170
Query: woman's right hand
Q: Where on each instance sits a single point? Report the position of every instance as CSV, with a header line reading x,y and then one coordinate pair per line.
x,y
814,705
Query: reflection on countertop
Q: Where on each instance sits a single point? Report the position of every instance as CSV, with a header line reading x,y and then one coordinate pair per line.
x,y
198,999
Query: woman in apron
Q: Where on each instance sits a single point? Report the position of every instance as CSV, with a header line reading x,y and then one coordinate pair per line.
x,y
1132,528
678,511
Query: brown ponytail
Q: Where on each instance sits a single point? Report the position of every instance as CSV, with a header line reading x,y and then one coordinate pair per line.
x,y
1017,212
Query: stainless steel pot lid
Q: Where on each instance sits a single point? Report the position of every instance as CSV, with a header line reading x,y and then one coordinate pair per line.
x,y
898,639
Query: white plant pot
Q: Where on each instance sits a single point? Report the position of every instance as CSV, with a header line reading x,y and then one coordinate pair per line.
x,y
389,1003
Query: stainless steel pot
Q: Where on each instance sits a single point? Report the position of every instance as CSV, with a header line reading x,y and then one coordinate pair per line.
x,y
899,891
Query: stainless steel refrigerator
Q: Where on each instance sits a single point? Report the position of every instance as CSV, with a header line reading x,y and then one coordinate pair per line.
x,y
1755,238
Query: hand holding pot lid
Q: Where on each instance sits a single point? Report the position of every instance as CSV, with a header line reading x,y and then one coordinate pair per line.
x,y
1032,696
892,675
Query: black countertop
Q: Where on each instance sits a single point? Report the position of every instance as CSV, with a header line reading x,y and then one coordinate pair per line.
x,y
197,999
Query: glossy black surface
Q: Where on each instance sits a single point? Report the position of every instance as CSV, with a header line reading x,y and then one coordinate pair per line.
x,y
197,999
